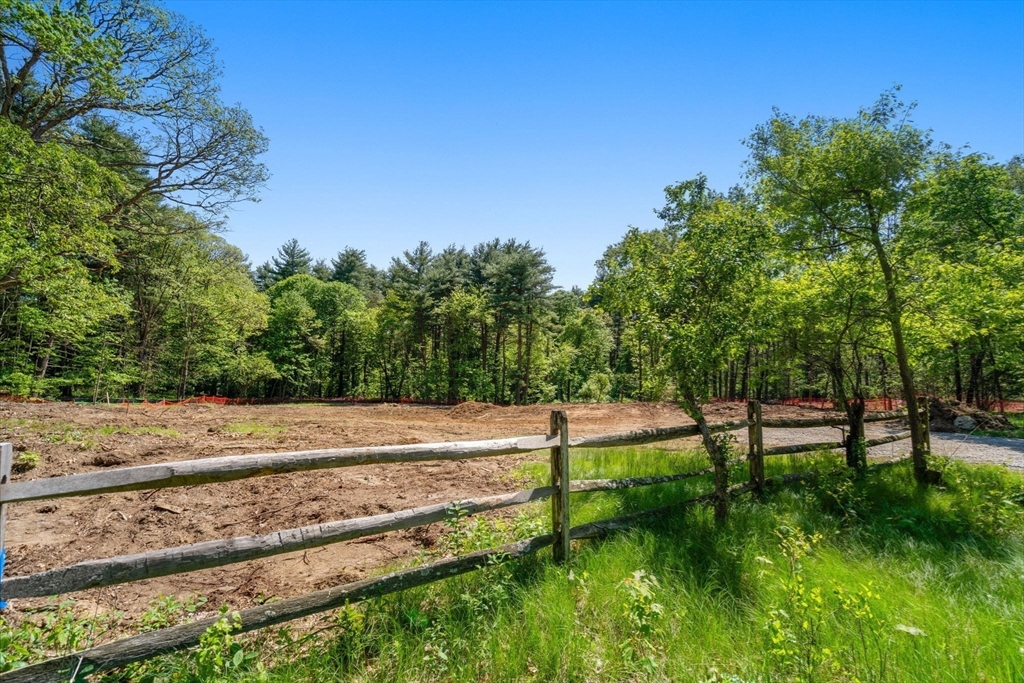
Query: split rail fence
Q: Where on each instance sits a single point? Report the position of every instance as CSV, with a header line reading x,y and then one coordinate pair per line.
x,y
208,554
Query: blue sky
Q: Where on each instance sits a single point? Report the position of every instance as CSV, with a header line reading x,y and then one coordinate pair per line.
x,y
561,123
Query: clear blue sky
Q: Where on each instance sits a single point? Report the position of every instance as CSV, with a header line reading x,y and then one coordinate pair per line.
x,y
561,123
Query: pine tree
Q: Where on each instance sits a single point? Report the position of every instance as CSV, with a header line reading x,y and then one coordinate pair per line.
x,y
291,260
350,267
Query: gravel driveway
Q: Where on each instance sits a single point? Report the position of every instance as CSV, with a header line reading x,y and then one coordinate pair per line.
x,y
994,450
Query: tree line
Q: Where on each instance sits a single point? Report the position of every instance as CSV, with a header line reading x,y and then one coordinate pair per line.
x,y
859,259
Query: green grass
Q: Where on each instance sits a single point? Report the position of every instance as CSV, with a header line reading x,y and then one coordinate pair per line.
x,y
252,429
84,438
930,588
843,579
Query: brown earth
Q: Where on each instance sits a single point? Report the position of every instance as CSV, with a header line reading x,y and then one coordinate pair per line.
x,y
81,438
943,413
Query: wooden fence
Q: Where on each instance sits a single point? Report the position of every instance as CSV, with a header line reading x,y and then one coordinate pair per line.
x,y
207,554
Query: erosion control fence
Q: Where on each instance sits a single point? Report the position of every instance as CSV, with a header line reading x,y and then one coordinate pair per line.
x,y
194,557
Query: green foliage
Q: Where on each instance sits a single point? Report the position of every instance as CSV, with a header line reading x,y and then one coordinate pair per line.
x,y
24,462
168,610
641,614
881,581
915,586
56,629
220,656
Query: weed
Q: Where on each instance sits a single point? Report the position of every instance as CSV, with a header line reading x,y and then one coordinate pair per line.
x,y
641,614
168,610
252,429
24,462
220,654
50,631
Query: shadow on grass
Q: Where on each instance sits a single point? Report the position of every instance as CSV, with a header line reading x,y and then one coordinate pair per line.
x,y
882,513
718,581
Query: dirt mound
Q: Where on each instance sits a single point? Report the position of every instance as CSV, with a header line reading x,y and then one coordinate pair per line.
x,y
954,416
470,410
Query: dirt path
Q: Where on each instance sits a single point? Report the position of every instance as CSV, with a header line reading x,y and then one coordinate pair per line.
x,y
991,450
988,450
69,439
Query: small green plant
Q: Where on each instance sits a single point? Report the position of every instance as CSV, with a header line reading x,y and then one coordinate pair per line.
x,y
220,654
168,610
24,462
53,630
868,650
983,504
793,626
252,429
839,492
642,615
349,626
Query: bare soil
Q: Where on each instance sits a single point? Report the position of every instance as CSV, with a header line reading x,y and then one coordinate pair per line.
x,y
81,438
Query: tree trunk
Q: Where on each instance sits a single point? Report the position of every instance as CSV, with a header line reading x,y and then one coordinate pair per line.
x,y
995,378
895,316
519,363
504,364
717,454
856,454
958,383
974,385
745,380
640,366
44,362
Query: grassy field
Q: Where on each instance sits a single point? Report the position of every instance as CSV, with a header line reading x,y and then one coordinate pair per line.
x,y
842,580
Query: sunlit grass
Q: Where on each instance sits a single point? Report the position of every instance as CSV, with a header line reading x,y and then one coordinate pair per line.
x,y
914,585
252,429
844,578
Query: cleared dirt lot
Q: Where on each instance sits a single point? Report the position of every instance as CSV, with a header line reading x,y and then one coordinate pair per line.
x,y
78,438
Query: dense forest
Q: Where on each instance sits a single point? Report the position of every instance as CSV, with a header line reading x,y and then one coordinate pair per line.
x,y
859,259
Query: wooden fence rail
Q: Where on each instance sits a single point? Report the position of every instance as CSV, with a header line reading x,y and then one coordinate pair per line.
x,y
832,445
147,645
207,554
234,467
831,421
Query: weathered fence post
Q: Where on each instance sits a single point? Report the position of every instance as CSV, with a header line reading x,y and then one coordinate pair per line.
x,y
6,461
755,439
560,478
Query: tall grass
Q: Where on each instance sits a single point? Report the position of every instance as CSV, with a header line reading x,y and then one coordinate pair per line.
x,y
843,579
848,579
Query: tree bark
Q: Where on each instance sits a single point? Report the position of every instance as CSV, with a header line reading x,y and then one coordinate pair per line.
x,y
895,316
974,386
958,383
856,453
745,380
716,453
